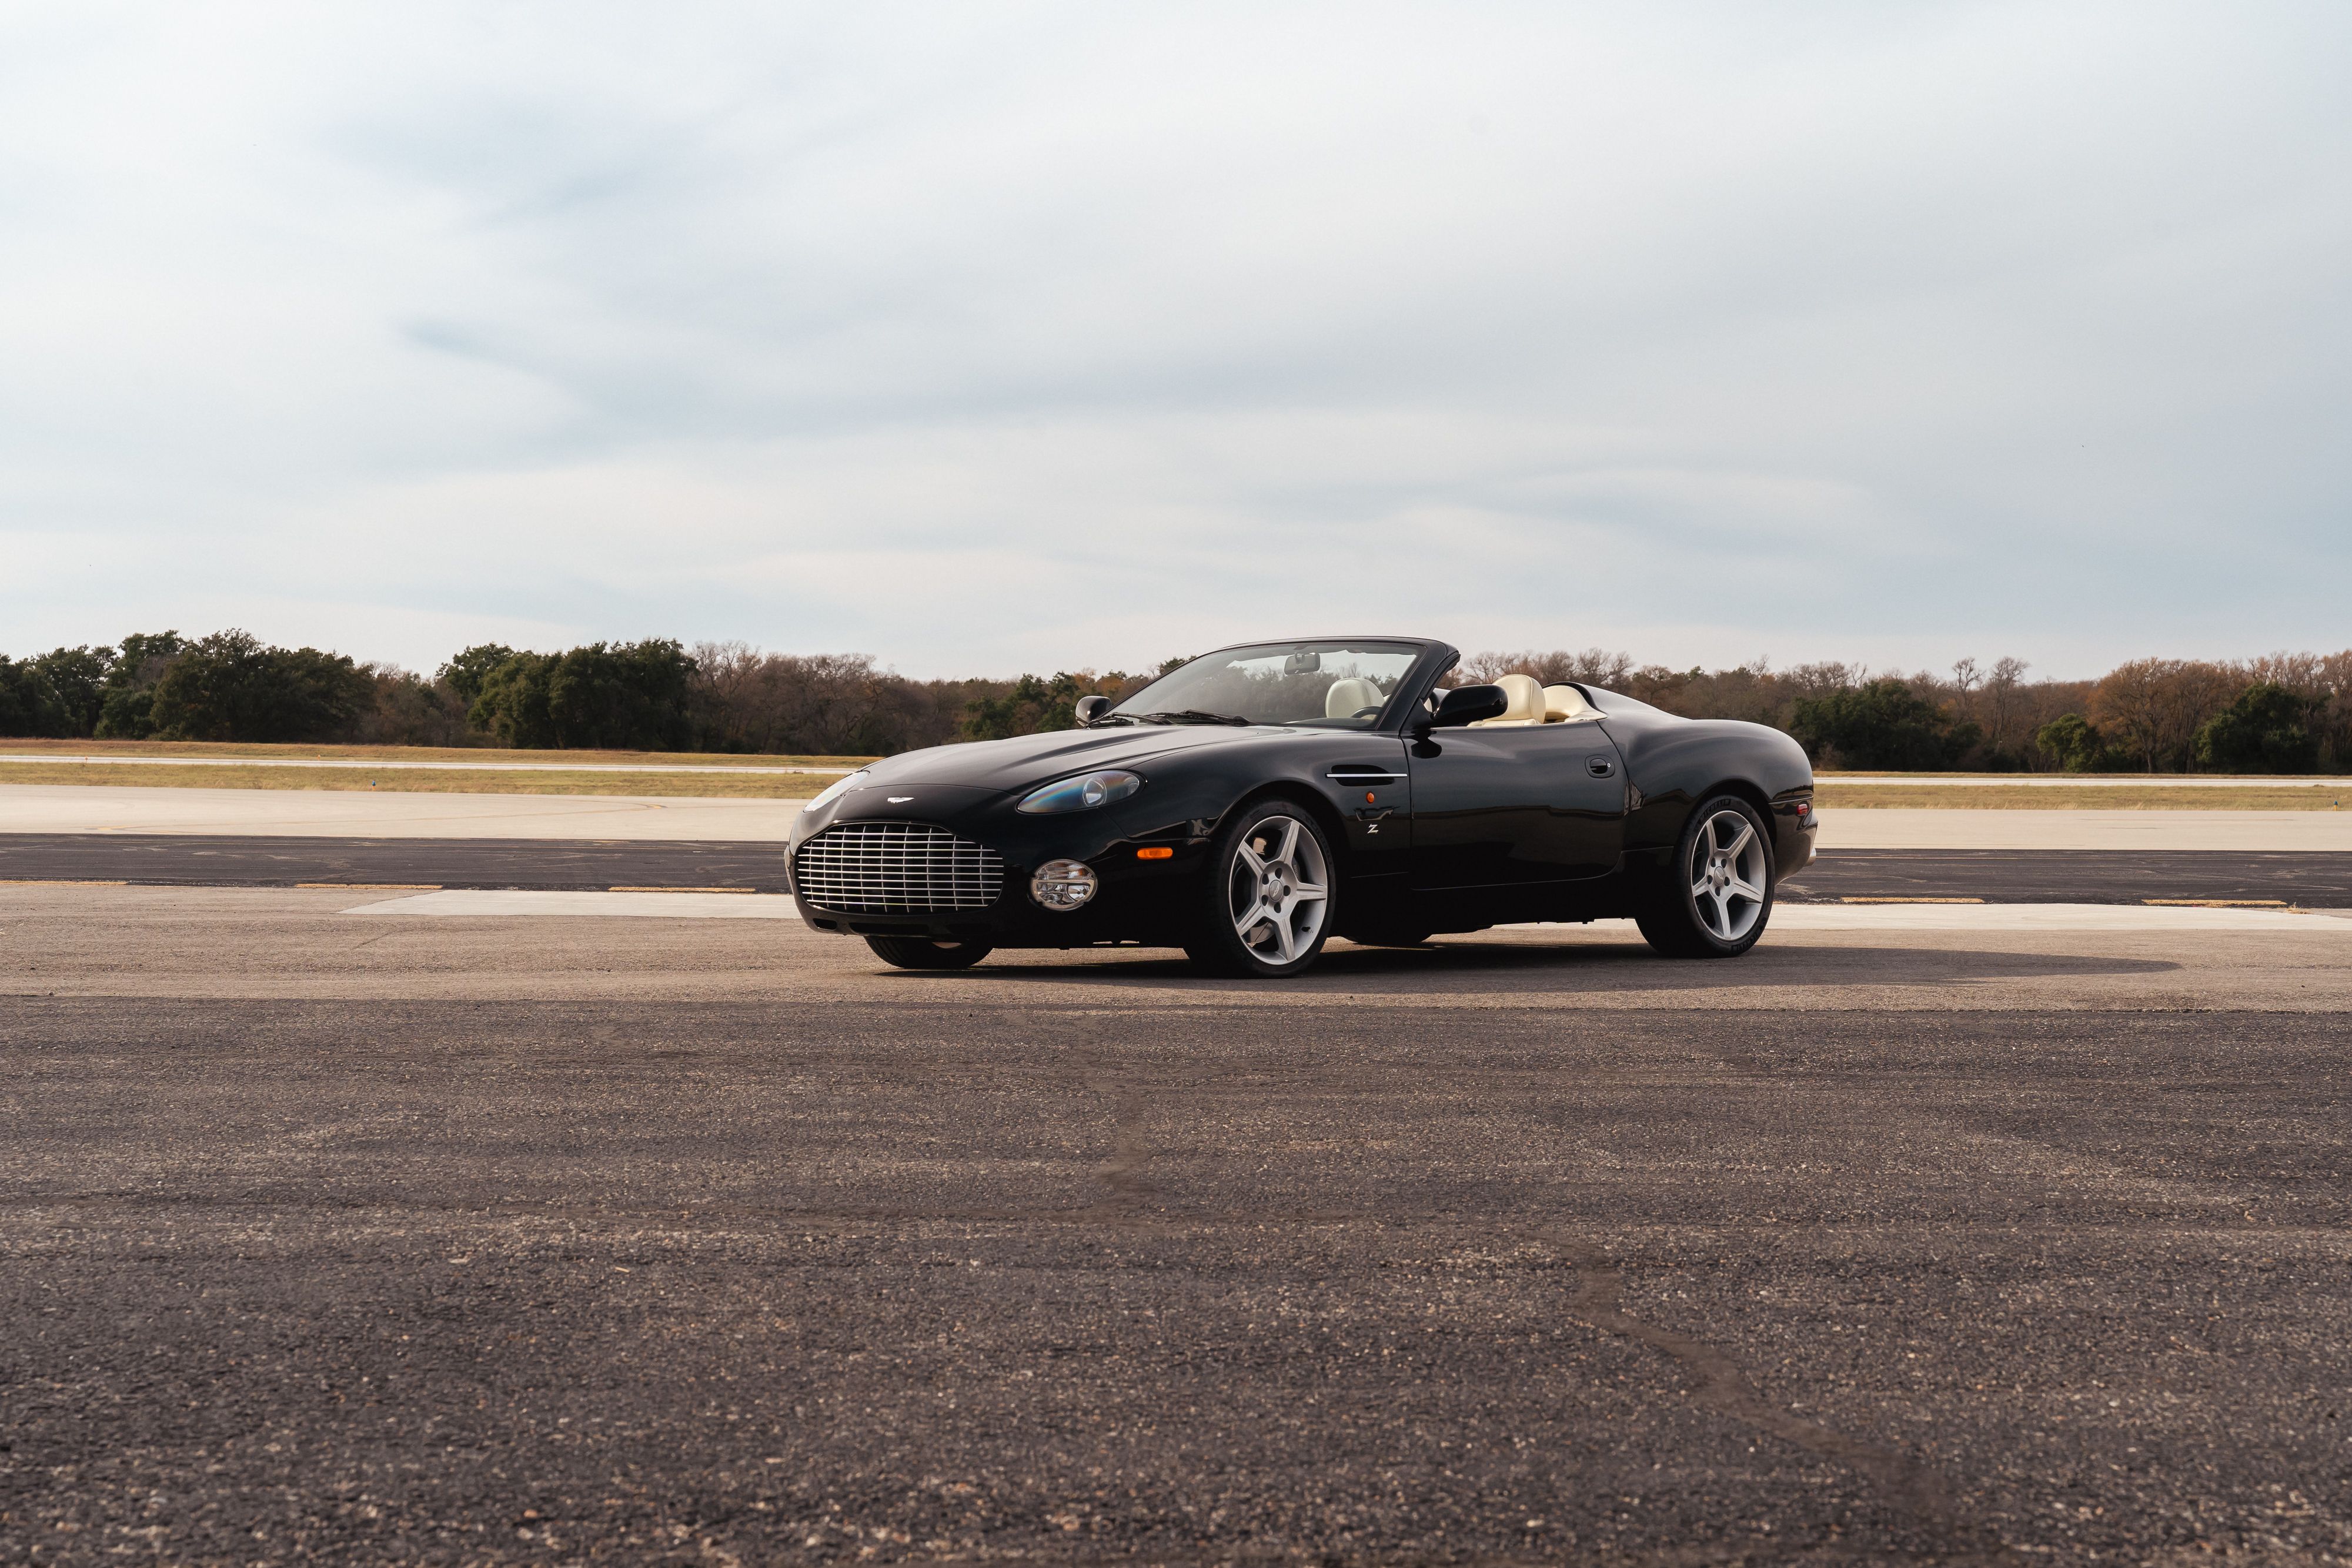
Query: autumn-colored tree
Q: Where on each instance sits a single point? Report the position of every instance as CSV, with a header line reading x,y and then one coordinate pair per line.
x,y
2152,708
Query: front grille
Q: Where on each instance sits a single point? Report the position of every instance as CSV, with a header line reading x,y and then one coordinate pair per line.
x,y
897,868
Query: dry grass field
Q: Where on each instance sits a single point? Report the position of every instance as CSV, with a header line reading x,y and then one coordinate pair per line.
x,y
689,774
451,781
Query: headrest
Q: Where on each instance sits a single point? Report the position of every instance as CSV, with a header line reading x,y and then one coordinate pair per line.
x,y
1526,697
1346,698
1563,703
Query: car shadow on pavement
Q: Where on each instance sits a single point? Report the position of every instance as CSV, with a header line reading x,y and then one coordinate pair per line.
x,y
1468,965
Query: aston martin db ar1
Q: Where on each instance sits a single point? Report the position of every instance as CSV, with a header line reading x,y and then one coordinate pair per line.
x,y
1252,803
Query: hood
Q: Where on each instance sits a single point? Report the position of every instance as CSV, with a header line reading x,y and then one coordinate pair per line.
x,y
1029,759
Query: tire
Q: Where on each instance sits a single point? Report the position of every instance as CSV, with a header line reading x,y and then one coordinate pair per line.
x,y
1271,847
921,952
1716,897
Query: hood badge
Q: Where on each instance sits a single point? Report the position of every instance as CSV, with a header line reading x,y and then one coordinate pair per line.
x,y
900,799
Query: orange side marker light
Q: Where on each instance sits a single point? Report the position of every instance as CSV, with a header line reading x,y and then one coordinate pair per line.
x,y
1156,853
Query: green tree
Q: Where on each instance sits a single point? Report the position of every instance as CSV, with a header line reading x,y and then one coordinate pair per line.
x,y
230,686
126,708
2079,747
78,677
30,706
622,696
2266,730
464,674
512,701
1881,725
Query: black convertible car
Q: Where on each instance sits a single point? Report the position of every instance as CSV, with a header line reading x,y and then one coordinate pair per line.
x,y
1254,803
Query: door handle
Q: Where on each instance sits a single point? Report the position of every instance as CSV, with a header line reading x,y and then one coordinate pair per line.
x,y
1599,767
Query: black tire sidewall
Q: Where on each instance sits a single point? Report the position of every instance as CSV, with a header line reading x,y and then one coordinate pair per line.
x,y
1678,908
922,953
1216,945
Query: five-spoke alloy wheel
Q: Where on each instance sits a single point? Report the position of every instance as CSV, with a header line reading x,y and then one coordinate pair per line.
x,y
1270,894
1713,902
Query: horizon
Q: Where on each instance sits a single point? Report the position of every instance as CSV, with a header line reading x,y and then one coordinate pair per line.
x,y
1860,669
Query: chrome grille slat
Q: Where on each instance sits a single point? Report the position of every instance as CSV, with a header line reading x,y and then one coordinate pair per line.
x,y
896,868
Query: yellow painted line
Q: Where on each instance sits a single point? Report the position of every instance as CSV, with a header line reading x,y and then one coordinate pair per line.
x,y
376,887
2216,902
1910,901
681,890
55,881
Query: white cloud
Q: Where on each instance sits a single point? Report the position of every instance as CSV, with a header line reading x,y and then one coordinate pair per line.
x,y
988,338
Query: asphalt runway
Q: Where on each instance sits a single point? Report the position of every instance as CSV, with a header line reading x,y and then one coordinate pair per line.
x,y
327,1238
2003,876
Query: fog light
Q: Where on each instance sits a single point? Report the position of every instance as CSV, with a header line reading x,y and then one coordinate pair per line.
x,y
1062,884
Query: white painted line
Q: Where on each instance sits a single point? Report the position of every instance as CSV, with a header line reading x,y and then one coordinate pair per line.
x,y
481,902
2043,917
2080,781
2032,828
366,764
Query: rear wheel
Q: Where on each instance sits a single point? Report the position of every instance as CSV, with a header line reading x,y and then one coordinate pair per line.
x,y
921,952
1714,899
1270,894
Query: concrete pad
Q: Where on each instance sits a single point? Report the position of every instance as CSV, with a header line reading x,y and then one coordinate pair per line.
x,y
1905,827
395,814
388,814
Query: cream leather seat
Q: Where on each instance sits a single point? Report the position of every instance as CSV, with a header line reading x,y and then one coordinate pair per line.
x,y
1346,698
1566,704
1527,702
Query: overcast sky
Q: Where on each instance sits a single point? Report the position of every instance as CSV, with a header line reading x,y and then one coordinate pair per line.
x,y
991,337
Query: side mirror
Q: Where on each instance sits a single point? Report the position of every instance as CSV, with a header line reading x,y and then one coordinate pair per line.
x,y
1466,704
1091,708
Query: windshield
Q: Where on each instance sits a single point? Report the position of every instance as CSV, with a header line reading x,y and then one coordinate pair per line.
x,y
1332,686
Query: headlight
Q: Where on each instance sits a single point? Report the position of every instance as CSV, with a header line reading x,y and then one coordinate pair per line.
x,y
1083,793
835,790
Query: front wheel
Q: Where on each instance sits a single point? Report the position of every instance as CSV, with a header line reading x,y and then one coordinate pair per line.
x,y
1714,901
921,952
1270,894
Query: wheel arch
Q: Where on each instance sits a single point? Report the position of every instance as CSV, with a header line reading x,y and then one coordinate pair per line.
x,y
1754,795
1747,790
1327,816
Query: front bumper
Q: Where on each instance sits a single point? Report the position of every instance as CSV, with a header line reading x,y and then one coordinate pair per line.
x,y
1137,900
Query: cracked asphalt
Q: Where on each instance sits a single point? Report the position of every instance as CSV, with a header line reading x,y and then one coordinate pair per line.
x,y
483,1240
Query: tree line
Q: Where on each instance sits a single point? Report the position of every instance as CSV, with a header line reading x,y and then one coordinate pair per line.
x,y
2287,713
651,696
